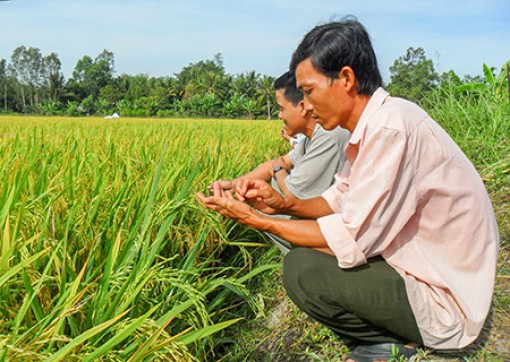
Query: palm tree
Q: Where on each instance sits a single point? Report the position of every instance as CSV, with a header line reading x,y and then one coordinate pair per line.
x,y
213,83
246,84
265,94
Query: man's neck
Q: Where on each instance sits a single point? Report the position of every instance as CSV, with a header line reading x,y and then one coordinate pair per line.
x,y
360,103
310,127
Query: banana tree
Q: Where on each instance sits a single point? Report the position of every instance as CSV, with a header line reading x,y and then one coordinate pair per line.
x,y
493,82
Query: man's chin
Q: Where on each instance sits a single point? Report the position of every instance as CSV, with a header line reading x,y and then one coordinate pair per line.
x,y
319,121
325,125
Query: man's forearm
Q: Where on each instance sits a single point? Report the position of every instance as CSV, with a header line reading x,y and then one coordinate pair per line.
x,y
305,233
263,197
283,161
307,209
264,171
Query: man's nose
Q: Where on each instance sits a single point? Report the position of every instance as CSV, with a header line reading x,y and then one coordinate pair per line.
x,y
308,106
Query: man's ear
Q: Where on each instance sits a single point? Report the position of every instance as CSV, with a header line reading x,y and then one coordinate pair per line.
x,y
349,78
301,107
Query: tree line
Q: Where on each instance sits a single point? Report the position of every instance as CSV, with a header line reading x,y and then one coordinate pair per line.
x,y
31,82
34,83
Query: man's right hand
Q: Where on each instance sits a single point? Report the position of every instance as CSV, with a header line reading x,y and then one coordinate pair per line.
x,y
262,196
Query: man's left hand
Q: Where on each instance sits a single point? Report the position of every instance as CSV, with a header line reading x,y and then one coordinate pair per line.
x,y
229,207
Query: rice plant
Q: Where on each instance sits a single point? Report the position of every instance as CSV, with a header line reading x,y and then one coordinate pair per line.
x,y
105,253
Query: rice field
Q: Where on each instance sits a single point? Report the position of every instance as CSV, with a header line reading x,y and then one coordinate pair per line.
x,y
106,254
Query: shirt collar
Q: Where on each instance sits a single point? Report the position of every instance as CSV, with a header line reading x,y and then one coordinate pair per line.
x,y
375,102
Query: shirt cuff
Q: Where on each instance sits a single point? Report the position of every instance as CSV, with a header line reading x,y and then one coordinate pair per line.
x,y
340,241
332,199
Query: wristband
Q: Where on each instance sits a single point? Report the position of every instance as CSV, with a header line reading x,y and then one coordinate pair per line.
x,y
278,168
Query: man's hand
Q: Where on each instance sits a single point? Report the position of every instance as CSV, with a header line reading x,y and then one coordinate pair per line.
x,y
304,233
262,196
224,185
225,203
284,131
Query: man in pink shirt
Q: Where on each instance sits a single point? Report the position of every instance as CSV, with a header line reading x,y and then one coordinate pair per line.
x,y
401,251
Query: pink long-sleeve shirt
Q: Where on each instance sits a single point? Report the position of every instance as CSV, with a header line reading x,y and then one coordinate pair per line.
x,y
409,194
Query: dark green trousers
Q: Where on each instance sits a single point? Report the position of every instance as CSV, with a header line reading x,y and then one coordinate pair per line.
x,y
362,305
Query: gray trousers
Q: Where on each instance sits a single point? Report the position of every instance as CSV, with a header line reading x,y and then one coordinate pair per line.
x,y
281,243
363,305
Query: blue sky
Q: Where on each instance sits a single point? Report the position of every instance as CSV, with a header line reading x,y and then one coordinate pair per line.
x,y
159,37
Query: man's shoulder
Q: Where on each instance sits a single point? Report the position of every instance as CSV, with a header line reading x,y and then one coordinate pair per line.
x,y
398,113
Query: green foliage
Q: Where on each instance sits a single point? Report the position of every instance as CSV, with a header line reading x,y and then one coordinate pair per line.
x,y
87,105
235,107
412,75
207,104
89,76
31,79
110,94
475,116
201,89
31,82
72,109
496,85
201,77
51,108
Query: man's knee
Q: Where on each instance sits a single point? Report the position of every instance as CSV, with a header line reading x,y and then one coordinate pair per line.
x,y
293,266
300,269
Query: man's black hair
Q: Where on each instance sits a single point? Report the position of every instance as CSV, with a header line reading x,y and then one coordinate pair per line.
x,y
287,82
334,45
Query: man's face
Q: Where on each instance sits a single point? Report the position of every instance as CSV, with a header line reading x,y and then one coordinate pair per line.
x,y
323,97
290,114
